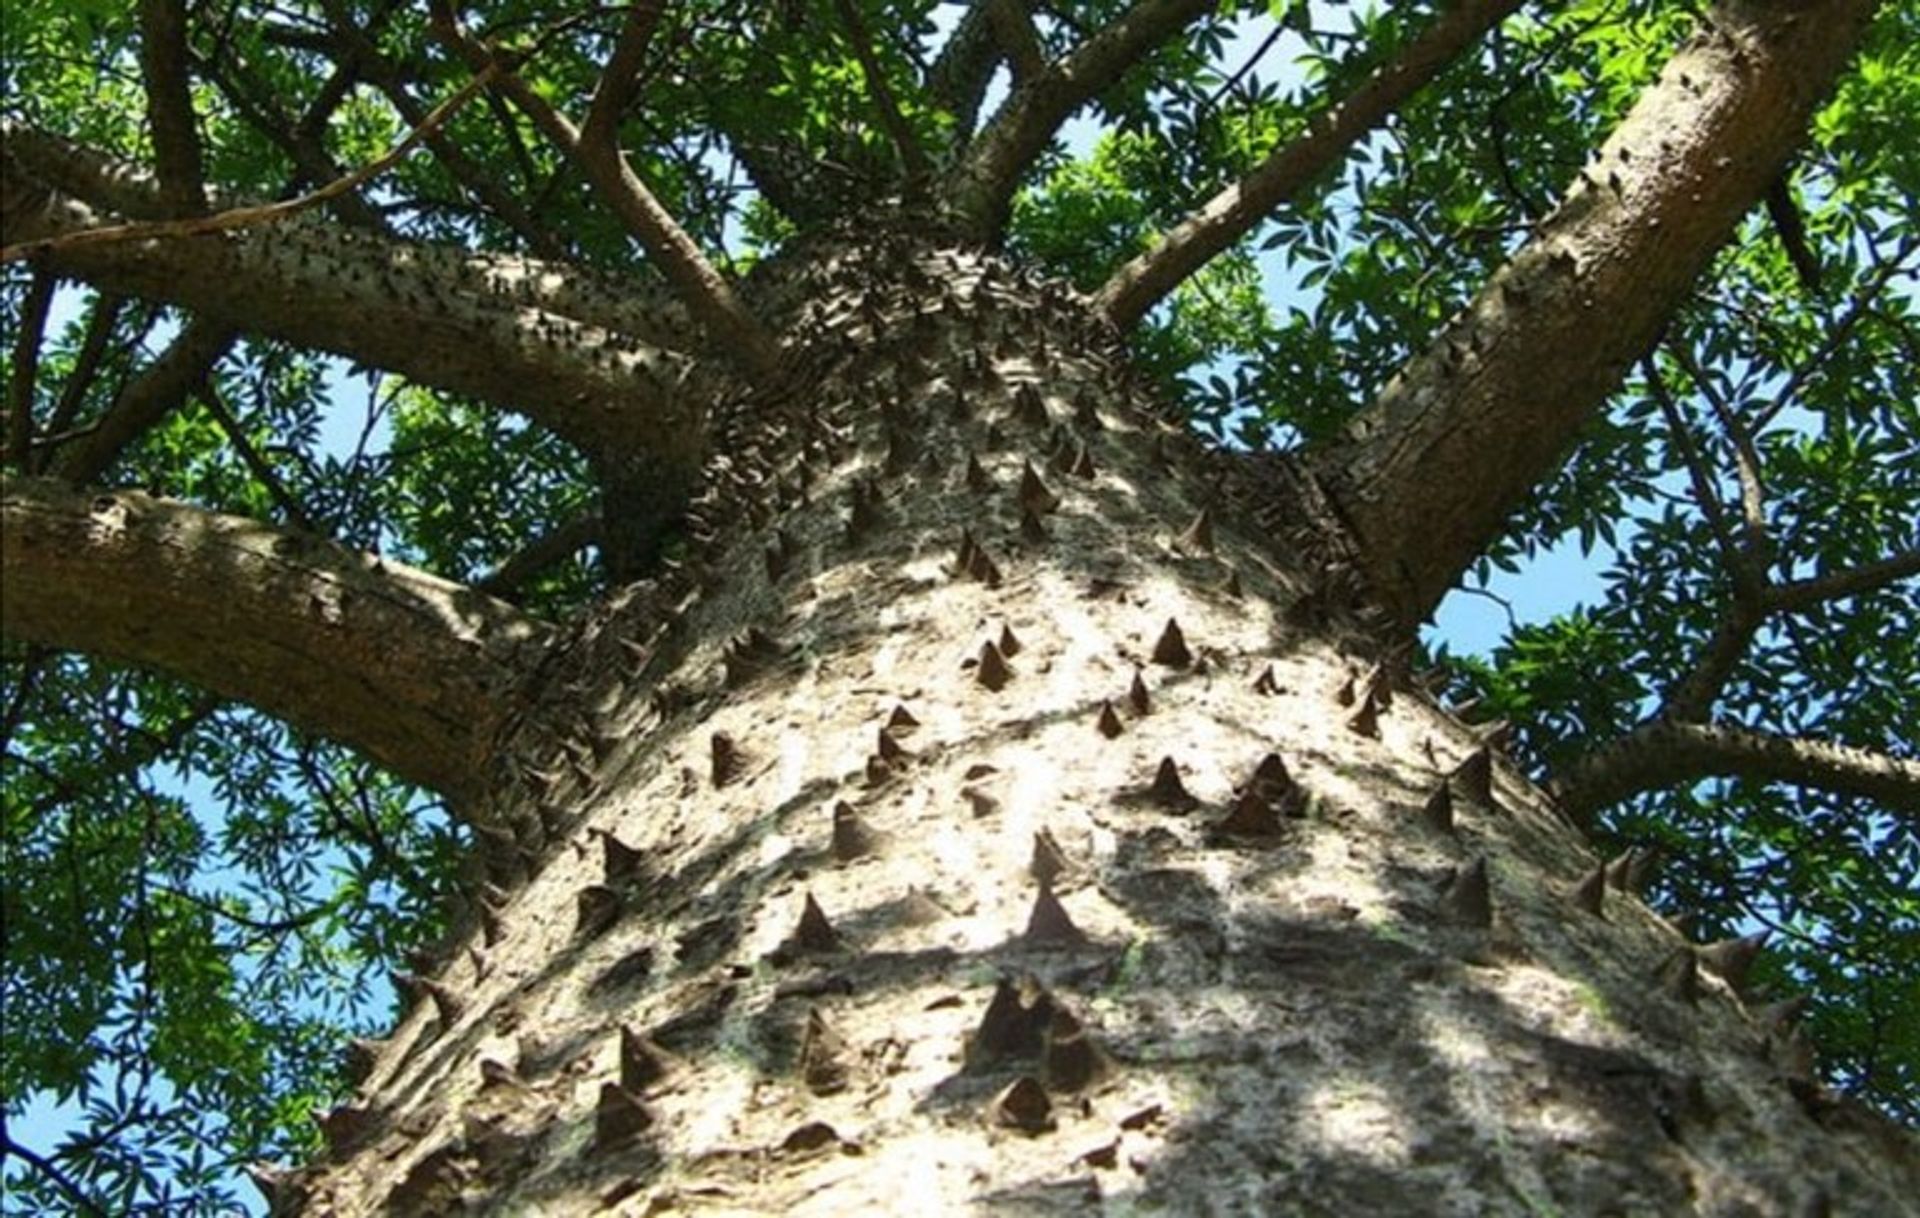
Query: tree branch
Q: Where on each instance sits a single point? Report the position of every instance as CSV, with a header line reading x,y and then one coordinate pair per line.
x,y
1427,474
729,325
1806,593
981,186
913,158
1661,754
26,368
176,139
555,545
412,670
385,76
156,392
1138,286
958,78
620,78
561,348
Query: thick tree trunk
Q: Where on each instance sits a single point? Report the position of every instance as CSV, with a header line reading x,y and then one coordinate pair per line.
x,y
913,860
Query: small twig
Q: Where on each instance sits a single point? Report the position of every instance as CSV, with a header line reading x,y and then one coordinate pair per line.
x,y
243,217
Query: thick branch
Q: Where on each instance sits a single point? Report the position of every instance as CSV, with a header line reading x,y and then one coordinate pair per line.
x,y
412,670
708,296
1427,474
1229,215
176,140
983,183
1663,754
1868,577
512,331
149,397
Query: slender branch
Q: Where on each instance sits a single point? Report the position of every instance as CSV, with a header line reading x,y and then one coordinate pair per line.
x,y
1697,475
156,392
708,296
211,398
1867,293
1019,41
313,165
264,213
912,157
1868,577
1785,215
1663,754
1757,545
555,545
981,186
619,80
101,320
82,1202
26,367
176,141
414,671
471,176
1429,472
1138,286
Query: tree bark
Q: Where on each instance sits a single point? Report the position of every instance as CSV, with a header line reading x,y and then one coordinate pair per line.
x,y
410,669
1429,472
1009,820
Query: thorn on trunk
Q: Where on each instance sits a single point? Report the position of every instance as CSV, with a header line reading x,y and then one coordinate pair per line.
x,y
1171,648
1048,861
642,1062
1475,776
852,837
1109,724
1137,694
1168,791
992,670
814,932
1049,923
727,760
823,1056
1365,721
1438,810
1733,958
1590,893
597,907
618,1117
1034,496
1023,1105
1470,896
1198,539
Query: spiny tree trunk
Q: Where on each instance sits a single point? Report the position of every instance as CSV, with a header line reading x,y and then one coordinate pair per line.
x,y
1016,817
1004,802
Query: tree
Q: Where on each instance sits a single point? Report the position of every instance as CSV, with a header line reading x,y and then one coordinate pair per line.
x,y
888,742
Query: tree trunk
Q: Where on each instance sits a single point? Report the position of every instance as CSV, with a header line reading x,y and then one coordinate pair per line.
x,y
1007,806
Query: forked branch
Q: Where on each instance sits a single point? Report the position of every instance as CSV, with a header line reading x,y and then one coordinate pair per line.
x,y
1138,286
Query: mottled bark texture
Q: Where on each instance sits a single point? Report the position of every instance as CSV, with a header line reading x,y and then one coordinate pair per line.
x,y
1006,811
408,668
